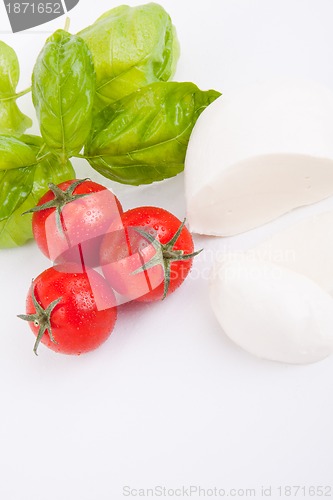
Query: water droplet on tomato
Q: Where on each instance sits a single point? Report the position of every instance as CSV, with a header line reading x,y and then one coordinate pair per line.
x,y
143,245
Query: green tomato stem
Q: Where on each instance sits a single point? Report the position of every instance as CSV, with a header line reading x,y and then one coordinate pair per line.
x,y
165,255
41,318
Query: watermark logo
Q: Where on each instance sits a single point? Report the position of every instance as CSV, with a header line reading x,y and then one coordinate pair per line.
x,y
24,15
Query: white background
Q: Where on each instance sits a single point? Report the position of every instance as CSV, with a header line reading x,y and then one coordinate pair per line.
x,y
169,400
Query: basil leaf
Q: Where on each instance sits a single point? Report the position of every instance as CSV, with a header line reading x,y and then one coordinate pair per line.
x,y
15,187
12,121
50,169
131,47
63,89
34,141
14,153
21,190
143,137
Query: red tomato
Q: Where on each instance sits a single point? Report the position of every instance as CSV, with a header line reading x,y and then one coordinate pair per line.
x,y
165,249
70,220
70,311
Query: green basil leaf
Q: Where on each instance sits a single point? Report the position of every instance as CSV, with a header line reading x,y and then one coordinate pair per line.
x,y
15,187
14,153
12,120
131,47
50,169
21,190
143,137
63,89
34,141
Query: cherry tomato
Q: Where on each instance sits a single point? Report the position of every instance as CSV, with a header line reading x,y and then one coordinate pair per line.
x,y
70,220
147,254
69,310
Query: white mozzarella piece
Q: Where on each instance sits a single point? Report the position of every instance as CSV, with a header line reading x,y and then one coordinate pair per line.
x,y
258,153
276,301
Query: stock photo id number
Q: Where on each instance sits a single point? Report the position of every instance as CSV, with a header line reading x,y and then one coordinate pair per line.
x,y
25,15
264,491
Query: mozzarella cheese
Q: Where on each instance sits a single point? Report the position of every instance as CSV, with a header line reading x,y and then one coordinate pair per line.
x,y
258,153
276,301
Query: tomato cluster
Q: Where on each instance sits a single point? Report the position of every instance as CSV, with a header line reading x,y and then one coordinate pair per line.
x,y
142,254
